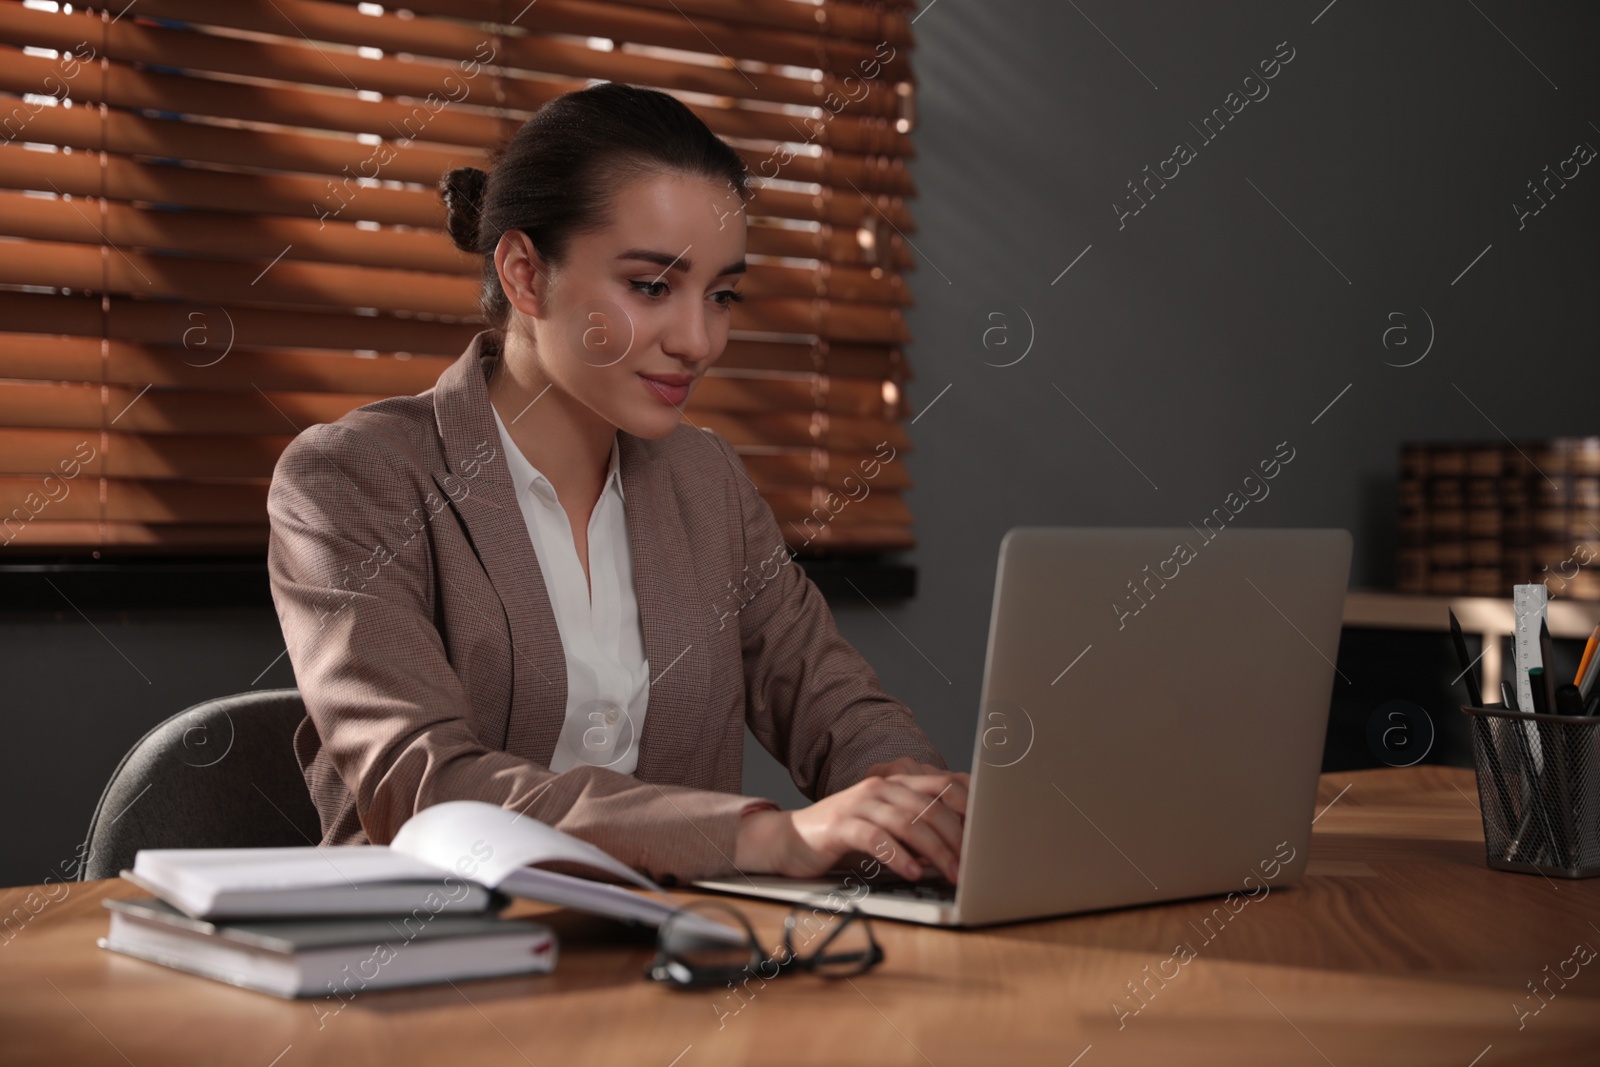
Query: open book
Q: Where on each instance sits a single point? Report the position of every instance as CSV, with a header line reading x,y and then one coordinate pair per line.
x,y
493,847
458,851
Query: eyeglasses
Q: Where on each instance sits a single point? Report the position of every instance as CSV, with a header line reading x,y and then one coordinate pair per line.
x,y
695,950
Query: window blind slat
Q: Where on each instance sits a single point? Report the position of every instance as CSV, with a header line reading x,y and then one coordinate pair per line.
x,y
81,266
27,456
128,318
116,84
456,41
135,409
670,29
197,230
131,539
163,322
331,84
67,346
418,161
844,322
845,472
64,360
267,195
853,361
126,133
210,363
91,221
877,22
797,430
309,284
305,196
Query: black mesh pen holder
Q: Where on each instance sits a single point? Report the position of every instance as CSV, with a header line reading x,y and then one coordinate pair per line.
x,y
1538,790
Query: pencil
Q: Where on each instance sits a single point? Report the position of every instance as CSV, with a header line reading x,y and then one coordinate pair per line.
x,y
1588,654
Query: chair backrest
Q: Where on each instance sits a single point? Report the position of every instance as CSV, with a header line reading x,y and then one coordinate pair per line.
x,y
222,774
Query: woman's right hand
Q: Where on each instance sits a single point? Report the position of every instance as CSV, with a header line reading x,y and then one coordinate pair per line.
x,y
913,814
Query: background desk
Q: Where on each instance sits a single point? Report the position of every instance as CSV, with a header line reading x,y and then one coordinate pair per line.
x,y
1490,618
1399,947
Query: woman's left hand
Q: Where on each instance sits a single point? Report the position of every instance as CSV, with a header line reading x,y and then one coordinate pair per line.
x,y
944,787
950,787
907,765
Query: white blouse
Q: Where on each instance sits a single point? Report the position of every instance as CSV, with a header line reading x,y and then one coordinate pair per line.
x,y
608,678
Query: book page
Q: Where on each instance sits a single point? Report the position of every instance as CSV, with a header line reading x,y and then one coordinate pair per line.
x,y
484,843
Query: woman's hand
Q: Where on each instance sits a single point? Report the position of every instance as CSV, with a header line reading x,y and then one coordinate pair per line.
x,y
907,765
914,813
952,786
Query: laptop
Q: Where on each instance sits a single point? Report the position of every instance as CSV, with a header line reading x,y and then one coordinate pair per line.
x,y
1150,727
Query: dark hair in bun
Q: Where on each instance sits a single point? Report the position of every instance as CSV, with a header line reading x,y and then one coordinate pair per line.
x,y
462,190
558,173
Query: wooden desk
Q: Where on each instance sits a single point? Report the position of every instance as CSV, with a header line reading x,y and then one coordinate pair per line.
x,y
1399,947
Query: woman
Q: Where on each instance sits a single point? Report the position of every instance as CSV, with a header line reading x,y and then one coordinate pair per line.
x,y
534,584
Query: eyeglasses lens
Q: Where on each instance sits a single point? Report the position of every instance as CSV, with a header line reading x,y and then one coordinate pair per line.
x,y
832,944
705,942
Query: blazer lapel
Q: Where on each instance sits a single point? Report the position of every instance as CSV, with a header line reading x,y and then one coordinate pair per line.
x,y
478,483
673,614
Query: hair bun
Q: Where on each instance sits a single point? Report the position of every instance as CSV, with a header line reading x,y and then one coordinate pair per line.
x,y
462,189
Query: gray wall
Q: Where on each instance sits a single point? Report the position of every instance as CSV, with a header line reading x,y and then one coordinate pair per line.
x,y
1196,337
1207,328
83,686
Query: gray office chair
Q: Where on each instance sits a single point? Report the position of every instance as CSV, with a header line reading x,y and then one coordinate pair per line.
x,y
220,775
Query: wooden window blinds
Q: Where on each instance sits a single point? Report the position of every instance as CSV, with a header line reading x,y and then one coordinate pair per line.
x,y
221,224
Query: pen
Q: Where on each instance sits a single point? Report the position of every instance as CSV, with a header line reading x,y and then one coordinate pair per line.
x,y
1568,701
1541,704
1547,660
1552,740
1557,742
1473,695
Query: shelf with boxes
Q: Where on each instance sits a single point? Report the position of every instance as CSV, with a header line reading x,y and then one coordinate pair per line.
x,y
1477,518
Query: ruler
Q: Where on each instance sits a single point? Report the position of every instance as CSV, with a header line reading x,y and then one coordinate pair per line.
x,y
1529,603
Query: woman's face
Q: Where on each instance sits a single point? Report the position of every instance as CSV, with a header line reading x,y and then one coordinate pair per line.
x,y
639,311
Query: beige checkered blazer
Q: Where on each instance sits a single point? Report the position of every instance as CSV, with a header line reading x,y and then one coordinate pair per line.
x,y
426,649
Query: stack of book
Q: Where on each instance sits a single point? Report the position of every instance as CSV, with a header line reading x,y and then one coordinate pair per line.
x,y
315,921
299,922
1477,518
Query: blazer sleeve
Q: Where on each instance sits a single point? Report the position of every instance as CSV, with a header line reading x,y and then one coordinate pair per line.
x,y
356,610
812,700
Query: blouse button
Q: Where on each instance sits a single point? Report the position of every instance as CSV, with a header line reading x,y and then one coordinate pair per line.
x,y
612,714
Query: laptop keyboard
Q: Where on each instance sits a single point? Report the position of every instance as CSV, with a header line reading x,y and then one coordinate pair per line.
x,y
939,890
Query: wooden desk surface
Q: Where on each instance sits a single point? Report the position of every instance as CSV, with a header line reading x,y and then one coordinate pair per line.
x,y
1400,947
